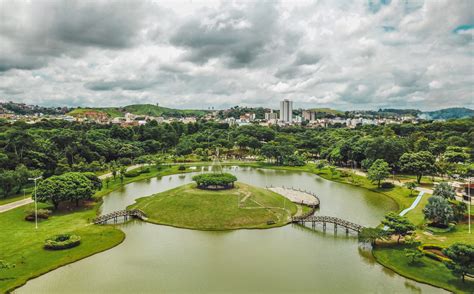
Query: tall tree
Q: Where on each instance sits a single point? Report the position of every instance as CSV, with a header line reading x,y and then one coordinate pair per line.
x,y
398,225
462,256
378,171
438,210
445,191
418,163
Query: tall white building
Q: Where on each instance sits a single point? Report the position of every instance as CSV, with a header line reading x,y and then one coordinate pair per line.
x,y
286,111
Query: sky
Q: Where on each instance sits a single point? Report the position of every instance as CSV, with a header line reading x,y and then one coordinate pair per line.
x,y
198,54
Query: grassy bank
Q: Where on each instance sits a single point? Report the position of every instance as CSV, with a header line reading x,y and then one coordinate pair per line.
x,y
242,207
22,245
426,270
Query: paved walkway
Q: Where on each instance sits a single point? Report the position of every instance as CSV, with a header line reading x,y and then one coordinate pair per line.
x,y
13,205
414,204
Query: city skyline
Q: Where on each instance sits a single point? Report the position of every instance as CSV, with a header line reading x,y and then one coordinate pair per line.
x,y
219,54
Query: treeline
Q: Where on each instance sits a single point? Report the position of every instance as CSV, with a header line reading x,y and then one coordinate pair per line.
x,y
55,147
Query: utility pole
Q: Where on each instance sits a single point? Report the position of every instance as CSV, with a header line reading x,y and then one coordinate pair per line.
x,y
469,204
36,203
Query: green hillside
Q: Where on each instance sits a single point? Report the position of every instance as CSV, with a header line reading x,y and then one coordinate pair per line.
x,y
140,109
155,110
328,111
449,113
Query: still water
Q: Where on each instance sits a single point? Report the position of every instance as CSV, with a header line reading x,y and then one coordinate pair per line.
x,y
291,259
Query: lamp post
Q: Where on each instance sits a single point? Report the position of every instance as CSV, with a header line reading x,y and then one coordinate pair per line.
x,y
36,203
469,204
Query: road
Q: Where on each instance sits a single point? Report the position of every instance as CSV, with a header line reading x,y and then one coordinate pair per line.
x,y
13,205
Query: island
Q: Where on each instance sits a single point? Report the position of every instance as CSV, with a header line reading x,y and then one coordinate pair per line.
x,y
197,206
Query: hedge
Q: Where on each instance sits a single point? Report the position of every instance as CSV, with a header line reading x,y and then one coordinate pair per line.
x,y
42,214
62,241
423,248
215,180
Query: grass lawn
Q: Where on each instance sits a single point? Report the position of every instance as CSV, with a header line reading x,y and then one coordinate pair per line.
x,y
426,270
21,244
189,207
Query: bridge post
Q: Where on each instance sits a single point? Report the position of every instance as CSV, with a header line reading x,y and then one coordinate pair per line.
x,y
324,226
347,231
335,227
313,224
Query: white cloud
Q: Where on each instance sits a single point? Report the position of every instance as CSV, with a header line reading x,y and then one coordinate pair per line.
x,y
346,54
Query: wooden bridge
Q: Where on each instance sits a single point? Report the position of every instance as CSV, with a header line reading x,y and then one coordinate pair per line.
x,y
313,219
125,214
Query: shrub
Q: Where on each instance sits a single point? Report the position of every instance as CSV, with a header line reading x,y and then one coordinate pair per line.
x,y
62,241
425,247
42,214
132,174
181,167
215,180
386,185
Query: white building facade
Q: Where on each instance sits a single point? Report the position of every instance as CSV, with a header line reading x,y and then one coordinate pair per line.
x,y
286,111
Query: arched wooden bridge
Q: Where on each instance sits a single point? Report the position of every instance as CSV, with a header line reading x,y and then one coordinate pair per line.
x,y
313,219
135,213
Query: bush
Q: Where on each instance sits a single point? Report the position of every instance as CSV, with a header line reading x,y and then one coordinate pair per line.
x,y
425,247
132,174
42,214
386,185
136,172
62,241
215,180
181,167
124,161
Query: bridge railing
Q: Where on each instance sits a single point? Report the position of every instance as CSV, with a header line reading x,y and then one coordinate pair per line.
x,y
137,213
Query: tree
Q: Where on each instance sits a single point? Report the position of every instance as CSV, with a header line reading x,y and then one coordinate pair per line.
x,y
411,186
7,181
371,235
107,181
398,225
378,171
459,210
413,254
462,256
418,163
72,186
438,210
445,191
122,172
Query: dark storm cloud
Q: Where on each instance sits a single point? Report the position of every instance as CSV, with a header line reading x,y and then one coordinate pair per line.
x,y
132,85
33,32
238,36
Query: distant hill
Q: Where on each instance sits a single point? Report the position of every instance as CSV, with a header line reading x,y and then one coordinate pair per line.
x,y
327,111
448,113
140,109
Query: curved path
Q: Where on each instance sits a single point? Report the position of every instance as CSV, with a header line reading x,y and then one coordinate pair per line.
x,y
414,204
13,205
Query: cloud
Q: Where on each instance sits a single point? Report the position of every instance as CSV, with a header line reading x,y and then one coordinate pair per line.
x,y
340,54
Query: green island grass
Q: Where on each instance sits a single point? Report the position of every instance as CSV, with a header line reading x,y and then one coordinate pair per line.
x,y
189,207
21,244
426,270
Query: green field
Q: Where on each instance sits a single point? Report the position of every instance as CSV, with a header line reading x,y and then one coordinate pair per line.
x,y
242,207
22,245
426,270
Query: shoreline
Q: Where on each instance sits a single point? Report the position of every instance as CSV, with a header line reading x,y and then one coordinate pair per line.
x,y
169,170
